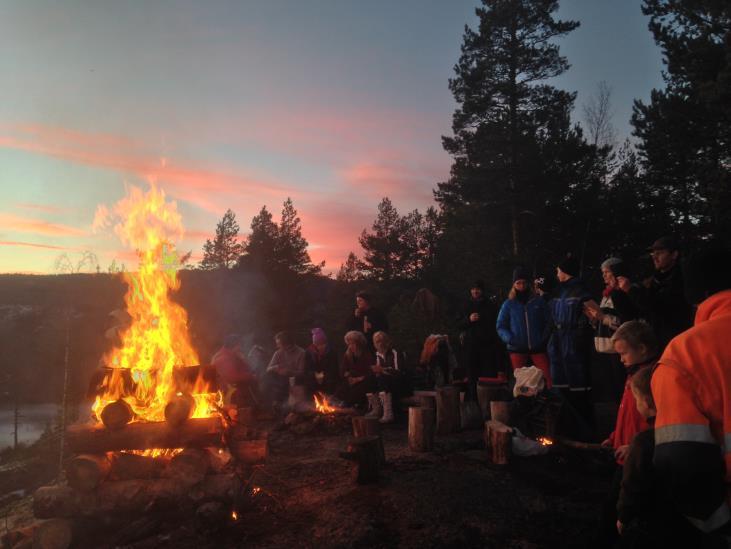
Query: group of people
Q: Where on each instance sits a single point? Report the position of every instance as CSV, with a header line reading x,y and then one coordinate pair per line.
x,y
665,343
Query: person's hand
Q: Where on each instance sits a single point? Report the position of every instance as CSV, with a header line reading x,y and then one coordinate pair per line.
x,y
606,443
357,312
620,527
621,453
474,317
367,326
624,284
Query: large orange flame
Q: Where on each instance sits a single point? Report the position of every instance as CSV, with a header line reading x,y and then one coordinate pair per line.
x,y
156,340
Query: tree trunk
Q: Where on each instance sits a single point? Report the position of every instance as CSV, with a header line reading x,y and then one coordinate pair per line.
x,y
421,429
365,452
179,409
56,533
447,410
85,472
499,442
95,439
368,426
499,411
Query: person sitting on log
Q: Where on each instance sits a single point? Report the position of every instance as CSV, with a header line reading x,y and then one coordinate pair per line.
x,y
321,364
390,372
286,368
358,377
234,373
438,360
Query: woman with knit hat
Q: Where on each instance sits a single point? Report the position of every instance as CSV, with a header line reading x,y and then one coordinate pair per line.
x,y
522,324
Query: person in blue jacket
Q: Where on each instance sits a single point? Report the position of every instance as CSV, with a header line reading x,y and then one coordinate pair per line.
x,y
522,324
572,338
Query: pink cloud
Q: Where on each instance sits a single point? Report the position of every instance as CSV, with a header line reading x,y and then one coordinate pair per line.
x,y
31,245
37,226
46,208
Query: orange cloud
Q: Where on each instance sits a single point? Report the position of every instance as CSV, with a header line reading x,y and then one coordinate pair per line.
x,y
16,223
46,208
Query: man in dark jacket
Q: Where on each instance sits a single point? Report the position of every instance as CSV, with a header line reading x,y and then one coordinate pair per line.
x,y
661,299
481,345
366,319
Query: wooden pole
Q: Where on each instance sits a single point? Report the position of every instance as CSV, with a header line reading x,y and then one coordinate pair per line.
x,y
447,410
421,429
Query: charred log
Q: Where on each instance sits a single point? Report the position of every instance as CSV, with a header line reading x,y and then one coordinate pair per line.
x,y
85,472
116,415
179,409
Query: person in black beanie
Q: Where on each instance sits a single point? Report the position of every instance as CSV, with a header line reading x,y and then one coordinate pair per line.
x,y
482,349
571,343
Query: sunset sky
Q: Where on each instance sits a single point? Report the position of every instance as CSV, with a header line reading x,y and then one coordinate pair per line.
x,y
239,104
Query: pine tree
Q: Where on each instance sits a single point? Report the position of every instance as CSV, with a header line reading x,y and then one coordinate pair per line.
x,y
291,246
382,247
225,249
261,244
505,111
349,271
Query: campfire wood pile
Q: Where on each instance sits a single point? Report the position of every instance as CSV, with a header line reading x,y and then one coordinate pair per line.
x,y
318,417
120,469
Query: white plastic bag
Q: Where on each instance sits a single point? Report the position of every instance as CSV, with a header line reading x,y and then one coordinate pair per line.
x,y
528,381
524,446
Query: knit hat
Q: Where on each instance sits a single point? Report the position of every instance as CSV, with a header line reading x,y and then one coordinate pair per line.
x,y
668,242
318,336
521,273
479,283
707,272
617,267
570,265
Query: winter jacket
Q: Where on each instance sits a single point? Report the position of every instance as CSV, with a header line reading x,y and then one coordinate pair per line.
x,y
374,317
322,363
618,309
629,420
692,391
358,366
480,332
523,327
571,342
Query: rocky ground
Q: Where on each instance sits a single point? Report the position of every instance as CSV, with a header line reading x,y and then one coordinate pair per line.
x,y
305,496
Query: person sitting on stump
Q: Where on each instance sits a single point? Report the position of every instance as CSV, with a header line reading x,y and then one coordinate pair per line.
x,y
389,370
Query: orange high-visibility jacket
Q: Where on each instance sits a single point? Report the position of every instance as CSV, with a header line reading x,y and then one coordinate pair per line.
x,y
692,391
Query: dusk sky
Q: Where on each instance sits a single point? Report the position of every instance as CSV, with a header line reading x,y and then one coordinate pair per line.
x,y
241,104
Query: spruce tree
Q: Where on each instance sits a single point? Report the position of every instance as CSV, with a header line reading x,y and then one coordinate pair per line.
x,y
291,247
225,249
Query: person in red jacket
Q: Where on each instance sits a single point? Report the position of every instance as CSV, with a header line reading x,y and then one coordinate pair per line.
x,y
637,347
692,391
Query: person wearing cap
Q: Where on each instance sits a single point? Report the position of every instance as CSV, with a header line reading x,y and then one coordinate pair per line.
x,y
522,324
321,364
661,300
366,318
570,344
479,339
692,391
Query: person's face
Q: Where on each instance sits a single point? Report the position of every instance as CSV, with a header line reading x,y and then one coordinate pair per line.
x,y
520,285
476,293
561,276
352,346
361,303
664,260
630,355
609,278
379,342
643,407
279,343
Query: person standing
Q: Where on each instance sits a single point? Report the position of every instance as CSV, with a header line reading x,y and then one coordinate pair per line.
x,y
571,341
660,299
366,318
478,336
692,388
522,324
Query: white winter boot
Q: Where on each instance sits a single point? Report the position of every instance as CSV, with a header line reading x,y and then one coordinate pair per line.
x,y
387,400
374,406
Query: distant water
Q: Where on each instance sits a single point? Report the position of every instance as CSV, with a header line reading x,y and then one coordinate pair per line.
x,y
32,422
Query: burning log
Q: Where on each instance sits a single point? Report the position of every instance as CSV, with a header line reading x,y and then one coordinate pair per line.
x,y
116,415
186,378
179,409
56,533
196,432
447,410
499,442
421,429
189,467
132,466
250,452
366,427
132,496
365,452
85,472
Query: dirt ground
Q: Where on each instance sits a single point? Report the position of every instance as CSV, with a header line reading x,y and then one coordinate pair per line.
x,y
305,496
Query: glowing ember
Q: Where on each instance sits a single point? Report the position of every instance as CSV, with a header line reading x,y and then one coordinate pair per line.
x,y
255,490
157,339
545,441
321,404
234,515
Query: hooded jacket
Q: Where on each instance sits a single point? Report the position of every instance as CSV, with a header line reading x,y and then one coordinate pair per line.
x,y
523,327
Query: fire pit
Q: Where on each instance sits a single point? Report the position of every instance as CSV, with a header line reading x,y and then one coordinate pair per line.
x,y
321,417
